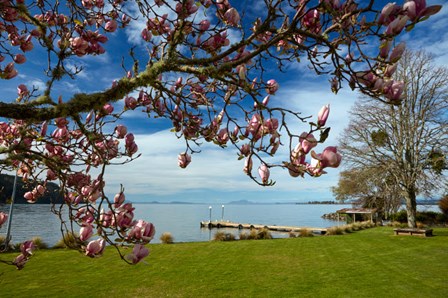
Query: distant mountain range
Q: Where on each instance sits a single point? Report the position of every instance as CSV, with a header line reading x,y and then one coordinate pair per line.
x,y
6,187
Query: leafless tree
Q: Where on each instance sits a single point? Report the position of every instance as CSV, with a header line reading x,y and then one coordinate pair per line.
x,y
409,141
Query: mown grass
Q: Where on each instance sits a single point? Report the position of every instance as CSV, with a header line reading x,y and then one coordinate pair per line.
x,y
368,263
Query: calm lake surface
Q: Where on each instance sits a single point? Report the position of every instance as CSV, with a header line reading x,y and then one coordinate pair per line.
x,y
181,220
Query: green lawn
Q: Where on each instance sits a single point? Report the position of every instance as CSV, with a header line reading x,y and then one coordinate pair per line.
x,y
368,263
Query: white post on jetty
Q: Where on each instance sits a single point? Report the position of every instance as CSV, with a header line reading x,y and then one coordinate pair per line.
x,y
210,210
222,213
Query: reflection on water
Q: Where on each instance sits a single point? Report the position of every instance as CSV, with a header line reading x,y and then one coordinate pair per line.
x,y
181,220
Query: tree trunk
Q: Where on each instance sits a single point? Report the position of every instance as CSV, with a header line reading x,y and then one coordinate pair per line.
x,y
411,207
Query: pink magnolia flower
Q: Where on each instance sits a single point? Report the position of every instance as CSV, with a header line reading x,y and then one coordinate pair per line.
x,y
30,197
272,86
119,199
397,52
130,145
385,48
9,71
146,34
108,109
204,25
307,142
130,102
397,25
245,150
390,70
232,17
124,217
20,261
248,165
416,9
19,59
95,248
323,115
270,125
330,157
22,90
186,9
85,232
393,90
121,131
27,248
142,231
223,136
183,160
111,26
3,218
138,254
266,100
389,13
264,173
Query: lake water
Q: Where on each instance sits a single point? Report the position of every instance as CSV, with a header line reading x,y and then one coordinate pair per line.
x,y
181,220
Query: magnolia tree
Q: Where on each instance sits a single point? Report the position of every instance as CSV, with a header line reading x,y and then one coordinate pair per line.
x,y
208,70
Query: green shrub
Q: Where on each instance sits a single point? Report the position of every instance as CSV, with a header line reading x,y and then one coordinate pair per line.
x,y
167,238
401,216
291,234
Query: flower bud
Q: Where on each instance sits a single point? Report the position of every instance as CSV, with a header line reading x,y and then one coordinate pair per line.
x,y
323,115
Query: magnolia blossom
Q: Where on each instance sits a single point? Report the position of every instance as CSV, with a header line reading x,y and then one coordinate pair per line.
x,y
204,25
138,253
86,232
19,59
22,91
248,165
95,248
183,160
111,26
397,52
119,199
272,86
330,157
323,115
264,173
307,142
416,9
142,231
232,17
26,249
20,261
3,218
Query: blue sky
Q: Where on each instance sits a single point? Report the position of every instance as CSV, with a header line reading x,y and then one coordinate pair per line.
x,y
215,175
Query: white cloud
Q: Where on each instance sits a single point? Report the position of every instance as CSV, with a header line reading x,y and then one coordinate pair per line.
x,y
38,84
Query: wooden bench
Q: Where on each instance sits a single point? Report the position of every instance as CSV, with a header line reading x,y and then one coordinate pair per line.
x,y
416,232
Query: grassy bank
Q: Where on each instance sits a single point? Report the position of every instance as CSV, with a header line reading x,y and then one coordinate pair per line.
x,y
369,263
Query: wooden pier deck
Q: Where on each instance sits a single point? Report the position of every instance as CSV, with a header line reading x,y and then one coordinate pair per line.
x,y
235,225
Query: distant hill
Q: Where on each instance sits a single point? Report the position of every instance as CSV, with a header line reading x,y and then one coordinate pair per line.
x,y
6,186
241,202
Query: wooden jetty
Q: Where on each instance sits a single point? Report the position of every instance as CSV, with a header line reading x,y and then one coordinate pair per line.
x,y
235,225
